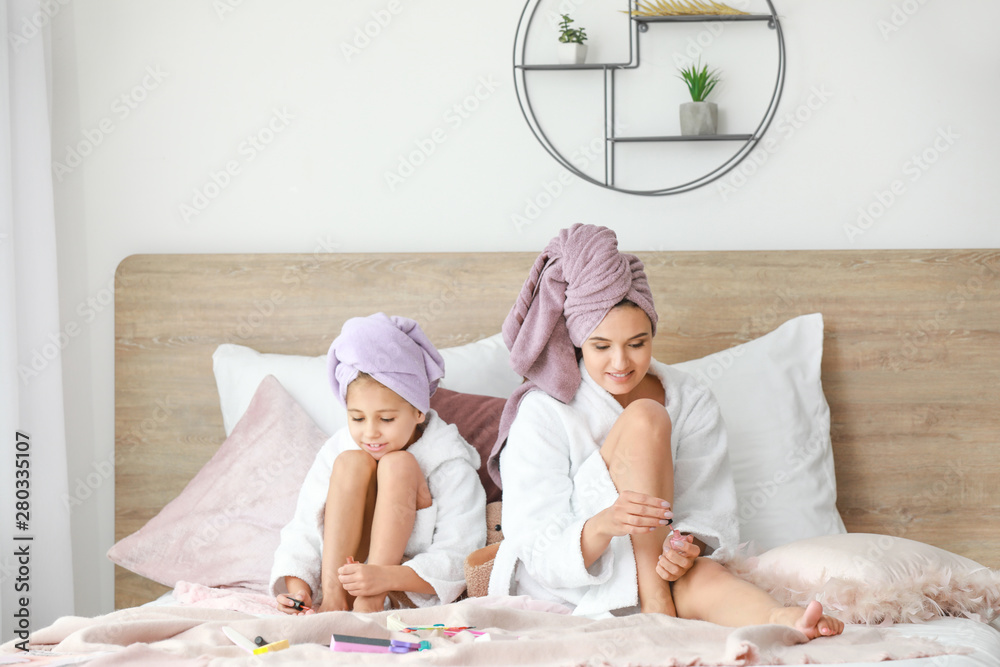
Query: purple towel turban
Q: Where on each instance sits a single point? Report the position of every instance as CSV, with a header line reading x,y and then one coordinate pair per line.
x,y
393,350
574,283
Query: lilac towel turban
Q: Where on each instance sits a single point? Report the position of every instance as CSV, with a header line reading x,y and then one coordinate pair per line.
x,y
393,350
577,279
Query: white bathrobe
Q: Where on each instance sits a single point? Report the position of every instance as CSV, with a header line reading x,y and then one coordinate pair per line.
x,y
554,479
443,534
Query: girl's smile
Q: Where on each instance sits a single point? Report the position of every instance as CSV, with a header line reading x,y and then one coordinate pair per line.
x,y
380,421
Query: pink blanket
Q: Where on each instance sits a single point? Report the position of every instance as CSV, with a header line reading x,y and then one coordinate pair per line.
x,y
192,635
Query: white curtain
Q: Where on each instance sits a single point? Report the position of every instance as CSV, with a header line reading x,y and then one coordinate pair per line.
x,y
35,555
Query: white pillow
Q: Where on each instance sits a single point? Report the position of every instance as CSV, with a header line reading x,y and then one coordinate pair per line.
x,y
239,370
778,425
476,368
482,368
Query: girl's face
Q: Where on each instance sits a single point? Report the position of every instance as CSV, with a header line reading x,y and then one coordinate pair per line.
x,y
379,420
617,354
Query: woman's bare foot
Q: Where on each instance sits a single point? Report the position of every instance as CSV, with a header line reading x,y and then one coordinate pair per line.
x,y
661,601
367,604
811,621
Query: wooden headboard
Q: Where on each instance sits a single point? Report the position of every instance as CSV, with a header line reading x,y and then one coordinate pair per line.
x,y
911,364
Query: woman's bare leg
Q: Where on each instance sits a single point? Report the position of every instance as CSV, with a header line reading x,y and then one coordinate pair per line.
x,y
637,453
401,491
350,504
710,592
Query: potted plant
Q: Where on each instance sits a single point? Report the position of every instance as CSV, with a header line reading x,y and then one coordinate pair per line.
x,y
572,50
698,116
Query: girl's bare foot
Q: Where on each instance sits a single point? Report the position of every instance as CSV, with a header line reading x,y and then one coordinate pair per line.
x,y
333,602
811,621
367,604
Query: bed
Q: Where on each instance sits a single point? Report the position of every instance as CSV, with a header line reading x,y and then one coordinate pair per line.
x,y
886,414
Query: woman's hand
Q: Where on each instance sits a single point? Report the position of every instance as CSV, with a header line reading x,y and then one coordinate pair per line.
x,y
632,512
635,512
677,558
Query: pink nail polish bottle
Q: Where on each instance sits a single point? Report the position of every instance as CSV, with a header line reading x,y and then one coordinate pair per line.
x,y
677,540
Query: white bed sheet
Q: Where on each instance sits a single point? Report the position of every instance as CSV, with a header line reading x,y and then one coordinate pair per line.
x,y
982,640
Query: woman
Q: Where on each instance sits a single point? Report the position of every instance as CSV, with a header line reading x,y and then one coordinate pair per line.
x,y
604,448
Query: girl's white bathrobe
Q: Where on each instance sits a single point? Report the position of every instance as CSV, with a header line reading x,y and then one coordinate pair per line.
x,y
554,479
443,534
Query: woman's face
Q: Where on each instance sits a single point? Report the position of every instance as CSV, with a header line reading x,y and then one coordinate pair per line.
x,y
617,354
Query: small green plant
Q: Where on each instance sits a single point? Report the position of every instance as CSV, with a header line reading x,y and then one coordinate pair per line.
x,y
700,81
569,35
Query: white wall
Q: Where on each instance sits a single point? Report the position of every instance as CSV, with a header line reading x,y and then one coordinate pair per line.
x,y
860,101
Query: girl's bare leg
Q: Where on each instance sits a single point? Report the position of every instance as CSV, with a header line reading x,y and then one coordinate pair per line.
x,y
350,504
401,491
710,592
637,453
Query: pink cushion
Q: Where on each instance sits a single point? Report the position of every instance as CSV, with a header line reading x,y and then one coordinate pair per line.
x,y
478,420
866,578
223,529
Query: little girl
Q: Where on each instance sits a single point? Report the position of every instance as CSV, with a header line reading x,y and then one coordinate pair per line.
x,y
393,501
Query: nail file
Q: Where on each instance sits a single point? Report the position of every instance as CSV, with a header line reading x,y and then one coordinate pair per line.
x,y
239,639
272,647
353,644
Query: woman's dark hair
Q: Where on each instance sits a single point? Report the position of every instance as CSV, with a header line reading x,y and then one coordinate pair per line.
x,y
626,302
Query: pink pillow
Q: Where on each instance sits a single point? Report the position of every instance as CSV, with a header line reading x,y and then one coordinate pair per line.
x,y
222,530
478,420
866,578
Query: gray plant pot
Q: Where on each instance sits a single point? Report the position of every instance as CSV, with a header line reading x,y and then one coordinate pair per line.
x,y
698,118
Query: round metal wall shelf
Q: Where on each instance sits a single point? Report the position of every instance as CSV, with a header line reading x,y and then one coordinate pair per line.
x,y
637,25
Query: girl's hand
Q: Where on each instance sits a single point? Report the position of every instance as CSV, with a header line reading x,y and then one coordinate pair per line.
x,y
635,512
286,605
677,558
362,580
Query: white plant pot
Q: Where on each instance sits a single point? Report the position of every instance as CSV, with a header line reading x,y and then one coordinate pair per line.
x,y
699,118
571,53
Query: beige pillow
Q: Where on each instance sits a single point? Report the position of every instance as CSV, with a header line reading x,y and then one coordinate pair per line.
x,y
865,578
